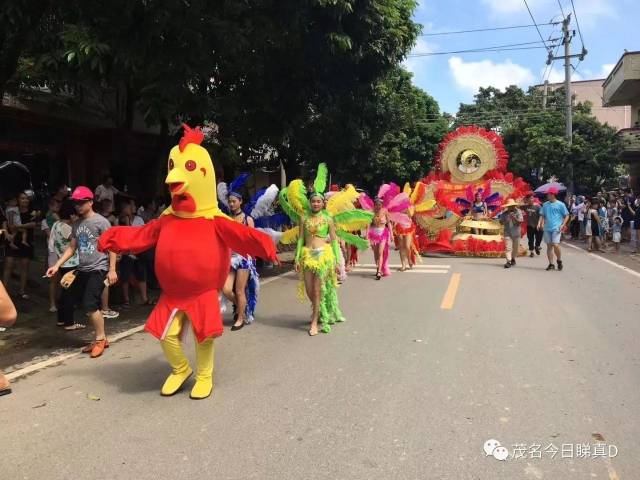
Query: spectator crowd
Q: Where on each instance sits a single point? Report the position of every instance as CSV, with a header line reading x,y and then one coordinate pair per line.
x,y
605,220
29,235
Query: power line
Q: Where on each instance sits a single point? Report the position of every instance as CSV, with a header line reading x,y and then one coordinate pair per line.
x,y
577,23
487,118
483,29
548,69
549,66
575,69
499,113
496,48
505,115
417,55
496,117
534,22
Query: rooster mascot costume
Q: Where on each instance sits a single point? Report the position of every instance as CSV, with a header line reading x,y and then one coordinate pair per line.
x,y
193,241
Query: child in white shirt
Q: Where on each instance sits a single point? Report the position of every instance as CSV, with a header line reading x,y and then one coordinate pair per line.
x,y
616,230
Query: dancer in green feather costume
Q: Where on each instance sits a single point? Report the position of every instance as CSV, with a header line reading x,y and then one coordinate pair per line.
x,y
320,225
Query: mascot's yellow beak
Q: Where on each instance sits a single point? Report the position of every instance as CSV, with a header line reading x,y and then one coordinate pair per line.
x,y
192,182
177,182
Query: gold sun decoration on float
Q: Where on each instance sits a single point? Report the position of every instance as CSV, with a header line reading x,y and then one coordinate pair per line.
x,y
468,158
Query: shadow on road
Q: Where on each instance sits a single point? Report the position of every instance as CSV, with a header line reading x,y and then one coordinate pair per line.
x,y
519,265
286,321
126,373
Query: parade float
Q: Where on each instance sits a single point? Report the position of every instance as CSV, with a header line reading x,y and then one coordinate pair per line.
x,y
470,161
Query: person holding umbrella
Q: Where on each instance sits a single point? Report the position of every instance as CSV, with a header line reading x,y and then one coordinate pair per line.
x,y
511,218
553,220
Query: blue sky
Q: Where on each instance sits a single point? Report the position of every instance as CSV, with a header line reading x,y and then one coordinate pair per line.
x,y
608,27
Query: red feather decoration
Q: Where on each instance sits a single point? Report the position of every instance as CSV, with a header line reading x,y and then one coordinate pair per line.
x,y
502,157
190,135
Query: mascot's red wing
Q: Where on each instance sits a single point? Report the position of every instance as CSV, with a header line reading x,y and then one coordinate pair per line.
x,y
192,264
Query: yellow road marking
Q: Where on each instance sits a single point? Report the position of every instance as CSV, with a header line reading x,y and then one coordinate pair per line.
x,y
612,472
450,295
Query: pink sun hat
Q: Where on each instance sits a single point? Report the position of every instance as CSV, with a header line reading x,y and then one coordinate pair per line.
x,y
82,193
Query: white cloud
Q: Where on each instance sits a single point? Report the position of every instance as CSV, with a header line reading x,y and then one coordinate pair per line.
x,y
510,6
588,11
417,64
557,75
485,73
606,69
422,5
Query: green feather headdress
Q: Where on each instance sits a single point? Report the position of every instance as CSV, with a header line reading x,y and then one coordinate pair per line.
x,y
320,183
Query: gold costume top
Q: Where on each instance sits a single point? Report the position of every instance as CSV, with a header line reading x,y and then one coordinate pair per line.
x,y
317,225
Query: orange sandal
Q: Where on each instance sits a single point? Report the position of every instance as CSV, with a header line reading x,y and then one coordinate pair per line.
x,y
96,348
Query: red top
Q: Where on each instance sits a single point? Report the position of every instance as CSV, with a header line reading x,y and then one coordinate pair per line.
x,y
191,263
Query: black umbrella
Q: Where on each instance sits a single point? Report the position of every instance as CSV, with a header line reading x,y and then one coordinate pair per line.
x,y
14,178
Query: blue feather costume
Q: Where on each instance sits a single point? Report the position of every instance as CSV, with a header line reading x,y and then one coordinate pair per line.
x,y
258,208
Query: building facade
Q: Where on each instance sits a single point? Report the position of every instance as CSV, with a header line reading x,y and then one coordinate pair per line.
x,y
64,142
621,88
618,116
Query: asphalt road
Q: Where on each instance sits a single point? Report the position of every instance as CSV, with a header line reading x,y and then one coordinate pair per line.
x,y
406,389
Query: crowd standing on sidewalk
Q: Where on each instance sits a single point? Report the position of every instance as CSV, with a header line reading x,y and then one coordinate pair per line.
x,y
606,218
29,238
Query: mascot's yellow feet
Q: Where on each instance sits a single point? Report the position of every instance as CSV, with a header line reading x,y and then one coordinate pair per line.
x,y
204,378
202,389
174,382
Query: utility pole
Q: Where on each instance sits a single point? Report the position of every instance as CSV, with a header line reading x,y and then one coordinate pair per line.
x,y
545,93
567,35
566,40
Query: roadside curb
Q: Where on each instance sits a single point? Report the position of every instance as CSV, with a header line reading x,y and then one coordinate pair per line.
x,y
113,339
606,260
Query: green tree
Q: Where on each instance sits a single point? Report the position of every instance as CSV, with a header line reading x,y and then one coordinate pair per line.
x,y
19,20
259,69
388,131
411,127
535,137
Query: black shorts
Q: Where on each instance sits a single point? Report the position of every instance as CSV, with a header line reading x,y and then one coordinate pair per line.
x,y
87,288
135,267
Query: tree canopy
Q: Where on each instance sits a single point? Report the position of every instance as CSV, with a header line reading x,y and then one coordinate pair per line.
x,y
535,136
315,80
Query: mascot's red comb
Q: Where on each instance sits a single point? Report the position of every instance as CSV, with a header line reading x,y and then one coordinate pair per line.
x,y
190,135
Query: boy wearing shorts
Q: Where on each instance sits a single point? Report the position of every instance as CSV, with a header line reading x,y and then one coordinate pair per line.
x,y
95,269
553,219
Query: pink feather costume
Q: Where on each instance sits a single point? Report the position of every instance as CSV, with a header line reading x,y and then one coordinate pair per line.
x,y
396,203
